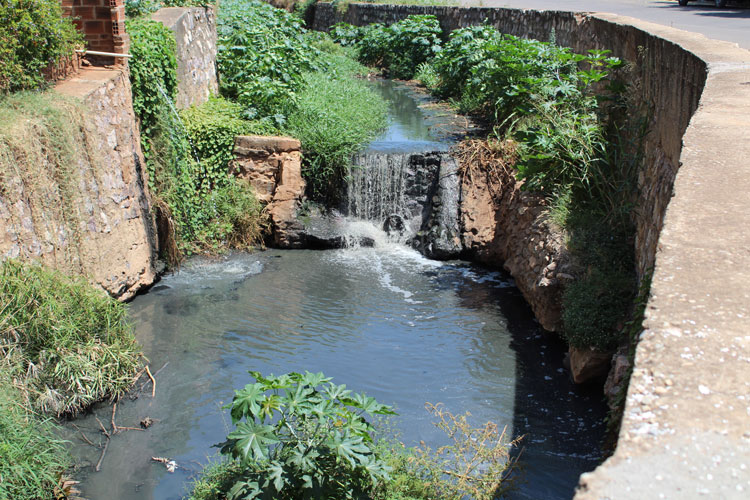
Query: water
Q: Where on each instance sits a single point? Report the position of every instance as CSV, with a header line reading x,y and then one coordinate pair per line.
x,y
383,320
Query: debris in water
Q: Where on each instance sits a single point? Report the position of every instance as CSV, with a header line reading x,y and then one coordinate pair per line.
x,y
147,422
170,464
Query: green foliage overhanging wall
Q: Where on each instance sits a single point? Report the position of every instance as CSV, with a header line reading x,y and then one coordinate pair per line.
x,y
33,35
200,208
300,81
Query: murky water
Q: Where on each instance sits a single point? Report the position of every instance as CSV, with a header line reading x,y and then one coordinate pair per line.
x,y
382,320
386,321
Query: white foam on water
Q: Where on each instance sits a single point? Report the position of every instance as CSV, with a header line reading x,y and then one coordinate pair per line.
x,y
201,271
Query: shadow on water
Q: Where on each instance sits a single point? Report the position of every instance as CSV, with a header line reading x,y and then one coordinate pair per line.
x,y
561,424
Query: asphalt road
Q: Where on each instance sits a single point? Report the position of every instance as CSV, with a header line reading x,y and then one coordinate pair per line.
x,y
731,23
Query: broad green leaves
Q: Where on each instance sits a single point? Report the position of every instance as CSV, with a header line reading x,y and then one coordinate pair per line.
x,y
299,435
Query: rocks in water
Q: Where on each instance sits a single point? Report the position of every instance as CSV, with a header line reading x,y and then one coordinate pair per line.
x,y
394,223
440,234
415,197
588,364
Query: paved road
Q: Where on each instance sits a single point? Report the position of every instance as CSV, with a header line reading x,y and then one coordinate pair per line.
x,y
731,23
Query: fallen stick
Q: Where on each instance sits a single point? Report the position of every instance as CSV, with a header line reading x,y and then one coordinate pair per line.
x,y
130,429
101,426
85,438
101,457
153,382
112,420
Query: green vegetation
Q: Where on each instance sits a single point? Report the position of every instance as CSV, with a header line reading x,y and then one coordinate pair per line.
x,y
33,36
200,208
335,114
402,46
66,343
302,436
564,115
32,459
301,82
263,53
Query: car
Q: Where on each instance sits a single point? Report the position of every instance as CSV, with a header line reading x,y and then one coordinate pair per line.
x,y
719,3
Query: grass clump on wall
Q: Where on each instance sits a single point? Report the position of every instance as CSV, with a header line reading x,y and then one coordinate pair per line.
x,y
33,35
66,343
47,147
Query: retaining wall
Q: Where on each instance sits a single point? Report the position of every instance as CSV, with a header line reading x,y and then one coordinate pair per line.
x,y
685,430
96,220
194,30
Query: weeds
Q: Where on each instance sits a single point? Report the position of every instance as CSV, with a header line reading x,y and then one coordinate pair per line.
x,y
65,344
32,459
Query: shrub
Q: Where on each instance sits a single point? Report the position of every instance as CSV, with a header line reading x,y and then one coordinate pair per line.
x,y
67,341
335,115
33,35
262,55
153,70
301,436
595,306
402,46
211,128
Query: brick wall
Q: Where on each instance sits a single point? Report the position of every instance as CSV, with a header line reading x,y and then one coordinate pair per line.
x,y
102,23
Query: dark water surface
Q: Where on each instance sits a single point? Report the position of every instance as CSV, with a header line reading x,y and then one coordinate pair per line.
x,y
384,320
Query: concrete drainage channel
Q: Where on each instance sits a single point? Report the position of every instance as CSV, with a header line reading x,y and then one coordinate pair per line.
x,y
684,432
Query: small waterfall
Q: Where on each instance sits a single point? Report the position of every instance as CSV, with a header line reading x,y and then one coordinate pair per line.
x,y
376,186
413,197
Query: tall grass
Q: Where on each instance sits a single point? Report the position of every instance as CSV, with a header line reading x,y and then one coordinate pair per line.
x,y
32,459
335,115
66,343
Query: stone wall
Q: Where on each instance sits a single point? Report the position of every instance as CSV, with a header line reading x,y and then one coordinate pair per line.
x,y
194,29
503,224
273,166
684,432
97,222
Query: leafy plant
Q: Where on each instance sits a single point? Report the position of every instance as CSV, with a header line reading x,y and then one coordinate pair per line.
x,y
402,46
262,55
301,436
34,34
211,129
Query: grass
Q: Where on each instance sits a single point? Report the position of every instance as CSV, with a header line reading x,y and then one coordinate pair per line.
x,y
66,343
32,459
335,114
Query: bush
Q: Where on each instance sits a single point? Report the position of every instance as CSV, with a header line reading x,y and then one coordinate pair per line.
x,y
596,305
33,35
212,127
402,46
262,55
67,341
335,115
153,70
301,436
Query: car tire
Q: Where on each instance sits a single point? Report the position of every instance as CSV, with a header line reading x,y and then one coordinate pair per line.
x,y
682,3
721,3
